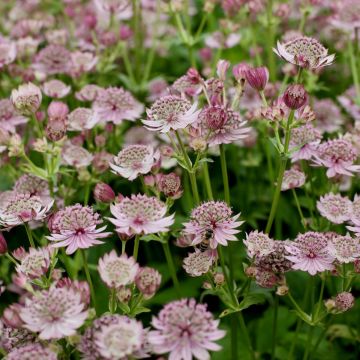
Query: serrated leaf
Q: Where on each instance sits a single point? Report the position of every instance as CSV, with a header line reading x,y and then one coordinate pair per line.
x,y
252,299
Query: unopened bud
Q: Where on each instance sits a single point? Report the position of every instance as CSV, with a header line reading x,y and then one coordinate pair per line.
x,y
104,193
257,77
295,96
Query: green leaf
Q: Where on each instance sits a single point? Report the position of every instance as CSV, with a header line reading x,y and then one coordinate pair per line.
x,y
139,310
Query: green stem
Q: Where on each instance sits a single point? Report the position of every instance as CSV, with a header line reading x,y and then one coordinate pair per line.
x,y
308,343
274,327
11,259
283,163
207,181
303,221
234,338
136,247
244,329
88,278
354,70
123,247
294,341
224,174
29,235
112,301
226,276
171,267
270,41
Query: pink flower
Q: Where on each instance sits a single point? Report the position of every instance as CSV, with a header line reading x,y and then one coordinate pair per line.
x,y
346,15
338,156
7,52
218,40
293,178
35,263
82,119
32,351
344,249
9,117
116,271
76,156
348,102
328,116
185,330
56,89
33,185
170,113
213,222
81,62
26,99
75,228
141,214
116,104
259,244
21,208
148,281
198,263
54,313
257,77
335,208
309,252
305,52
134,160
88,93
53,59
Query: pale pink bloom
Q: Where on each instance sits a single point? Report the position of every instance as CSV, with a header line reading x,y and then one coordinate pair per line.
x,y
76,156
213,222
134,160
148,281
88,92
7,52
217,40
328,116
75,227
293,178
157,89
346,15
82,119
9,117
185,86
170,113
344,301
305,52
32,351
141,214
116,104
259,244
81,287
344,249
26,47
116,271
335,208
82,62
26,99
304,142
198,263
35,263
54,313
139,135
56,89
169,185
348,102
53,59
355,211
185,329
221,126
21,208
338,156
120,340
112,6
310,252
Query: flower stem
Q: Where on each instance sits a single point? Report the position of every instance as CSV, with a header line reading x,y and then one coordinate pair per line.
x,y
88,278
112,305
29,235
224,174
171,267
354,70
274,326
303,221
246,334
283,163
136,247
123,247
207,181
270,41
11,258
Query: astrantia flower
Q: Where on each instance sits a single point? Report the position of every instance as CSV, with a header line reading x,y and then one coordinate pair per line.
x,y
88,93
33,185
328,116
213,222
32,351
346,15
148,281
76,156
348,101
9,117
293,178
82,62
221,126
54,313
121,339
355,210
53,59
116,104
21,208
170,113
141,214
304,142
75,228
258,244
344,301
185,330
26,99
116,270
335,208
305,52
338,156
184,85
309,252
7,52
82,119
56,89
134,160
35,263
344,249
198,263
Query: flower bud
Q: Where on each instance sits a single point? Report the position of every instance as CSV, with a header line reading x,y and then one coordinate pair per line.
x,y
125,32
344,301
26,99
239,72
148,281
19,253
282,290
123,294
90,21
257,77
215,116
3,244
198,144
55,129
194,76
221,69
104,193
11,316
169,185
219,278
57,110
149,180
295,96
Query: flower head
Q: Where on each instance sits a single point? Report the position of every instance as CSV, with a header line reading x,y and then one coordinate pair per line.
x,y
9,117
185,330
33,185
35,263
344,249
338,156
293,178
328,116
169,185
213,222
32,351
21,208
82,119
140,214
257,77
53,59
56,89
258,244
134,160
309,252
170,113
148,281
7,52
54,313
335,208
344,301
198,263
88,93
76,156
295,96
305,52
116,270
26,99
75,228
116,104
346,15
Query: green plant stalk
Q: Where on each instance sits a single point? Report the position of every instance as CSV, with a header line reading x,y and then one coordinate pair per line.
x,y
283,163
172,269
311,328
354,70
274,327
29,235
270,41
303,221
112,300
246,334
224,174
207,181
88,278
136,247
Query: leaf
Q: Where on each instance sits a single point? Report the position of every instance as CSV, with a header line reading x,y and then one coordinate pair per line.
x,y
304,316
124,307
139,310
252,299
153,237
